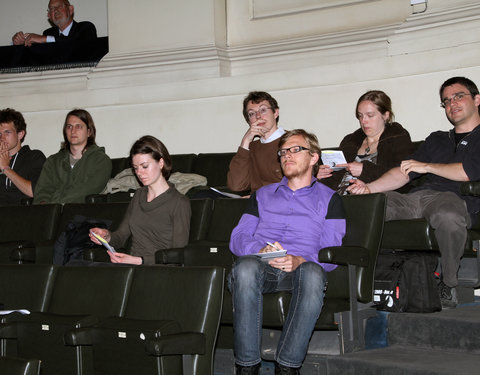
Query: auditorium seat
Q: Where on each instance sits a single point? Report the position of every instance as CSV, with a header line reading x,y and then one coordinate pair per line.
x,y
24,287
43,251
417,234
23,226
350,292
19,366
80,297
170,312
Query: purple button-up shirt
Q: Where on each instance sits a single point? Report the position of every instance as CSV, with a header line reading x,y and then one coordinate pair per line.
x,y
303,221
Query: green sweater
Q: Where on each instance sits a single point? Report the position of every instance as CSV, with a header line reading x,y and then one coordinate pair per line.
x,y
60,183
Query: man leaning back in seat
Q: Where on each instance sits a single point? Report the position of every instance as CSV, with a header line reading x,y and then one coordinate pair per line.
x,y
298,214
447,159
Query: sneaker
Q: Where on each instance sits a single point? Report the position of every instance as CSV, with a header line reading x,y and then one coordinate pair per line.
x,y
247,370
448,296
284,370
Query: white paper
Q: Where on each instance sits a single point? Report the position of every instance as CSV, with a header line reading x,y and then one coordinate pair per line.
x,y
332,158
230,195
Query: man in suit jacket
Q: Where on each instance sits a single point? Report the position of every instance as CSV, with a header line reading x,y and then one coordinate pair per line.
x,y
60,14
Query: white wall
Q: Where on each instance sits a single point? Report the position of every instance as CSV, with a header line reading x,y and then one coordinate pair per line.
x,y
31,16
191,96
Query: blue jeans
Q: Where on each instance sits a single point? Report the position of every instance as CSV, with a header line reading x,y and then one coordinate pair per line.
x,y
249,280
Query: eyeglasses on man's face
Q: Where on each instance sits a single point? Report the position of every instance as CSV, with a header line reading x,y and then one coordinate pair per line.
x,y
54,9
70,127
262,111
292,150
455,98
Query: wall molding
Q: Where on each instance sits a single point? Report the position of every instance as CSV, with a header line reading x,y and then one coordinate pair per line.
x,y
260,9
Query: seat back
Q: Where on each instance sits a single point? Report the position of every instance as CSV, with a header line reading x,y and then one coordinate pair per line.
x,y
183,162
225,217
365,219
114,211
192,296
19,366
119,164
200,219
214,166
29,223
100,291
26,286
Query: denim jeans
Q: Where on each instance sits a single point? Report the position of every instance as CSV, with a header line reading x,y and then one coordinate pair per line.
x,y
249,280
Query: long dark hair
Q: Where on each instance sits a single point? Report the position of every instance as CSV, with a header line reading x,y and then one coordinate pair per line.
x,y
87,120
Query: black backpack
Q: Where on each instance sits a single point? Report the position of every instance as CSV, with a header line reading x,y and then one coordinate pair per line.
x,y
71,242
405,282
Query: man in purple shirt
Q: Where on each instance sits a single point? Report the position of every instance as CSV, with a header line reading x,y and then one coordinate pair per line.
x,y
298,214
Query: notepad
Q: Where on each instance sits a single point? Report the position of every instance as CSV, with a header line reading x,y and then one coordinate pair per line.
x,y
272,254
332,158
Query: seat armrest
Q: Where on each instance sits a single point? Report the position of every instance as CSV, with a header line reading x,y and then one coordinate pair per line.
x,y
96,198
78,337
344,255
470,188
177,344
173,256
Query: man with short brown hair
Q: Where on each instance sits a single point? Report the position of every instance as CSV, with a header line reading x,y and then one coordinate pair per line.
x,y
256,163
298,214
20,166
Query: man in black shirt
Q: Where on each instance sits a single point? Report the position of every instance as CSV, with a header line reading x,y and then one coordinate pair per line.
x,y
20,167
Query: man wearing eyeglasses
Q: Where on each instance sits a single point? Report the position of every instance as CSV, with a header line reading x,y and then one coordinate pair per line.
x,y
60,14
446,159
255,163
298,214
20,166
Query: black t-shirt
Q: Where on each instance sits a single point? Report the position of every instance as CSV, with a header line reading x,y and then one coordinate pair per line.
x,y
448,147
28,164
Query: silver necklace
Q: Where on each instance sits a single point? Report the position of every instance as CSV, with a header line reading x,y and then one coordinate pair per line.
x,y
367,150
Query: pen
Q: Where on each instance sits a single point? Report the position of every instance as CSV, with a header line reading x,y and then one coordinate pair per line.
x,y
272,245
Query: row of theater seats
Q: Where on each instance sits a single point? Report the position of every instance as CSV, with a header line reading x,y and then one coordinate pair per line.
x,y
109,320
85,292
28,232
32,231
213,166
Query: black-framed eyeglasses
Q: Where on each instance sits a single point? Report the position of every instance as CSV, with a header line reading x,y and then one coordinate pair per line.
x,y
455,98
253,114
292,150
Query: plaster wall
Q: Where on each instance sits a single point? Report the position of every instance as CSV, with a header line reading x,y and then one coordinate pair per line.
x,y
186,84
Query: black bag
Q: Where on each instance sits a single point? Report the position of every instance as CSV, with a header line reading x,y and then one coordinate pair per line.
x,y
70,244
405,282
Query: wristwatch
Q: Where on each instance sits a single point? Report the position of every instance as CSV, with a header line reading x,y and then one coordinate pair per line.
x,y
6,167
